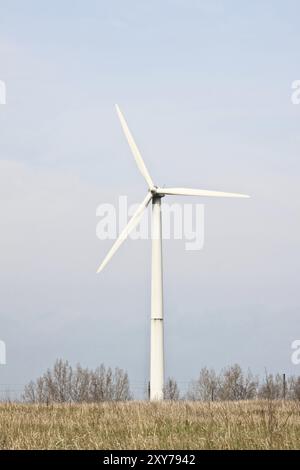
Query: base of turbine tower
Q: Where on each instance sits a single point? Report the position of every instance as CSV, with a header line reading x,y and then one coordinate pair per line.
x,y
157,360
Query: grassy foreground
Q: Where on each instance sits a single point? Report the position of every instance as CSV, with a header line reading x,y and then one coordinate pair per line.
x,y
142,425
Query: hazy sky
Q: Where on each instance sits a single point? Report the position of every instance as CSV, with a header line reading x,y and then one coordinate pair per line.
x,y
206,89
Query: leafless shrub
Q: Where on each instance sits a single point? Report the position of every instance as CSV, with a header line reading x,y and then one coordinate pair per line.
x,y
171,390
272,387
63,384
205,388
230,384
234,385
294,388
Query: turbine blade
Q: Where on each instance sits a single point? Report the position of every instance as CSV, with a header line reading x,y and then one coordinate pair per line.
x,y
126,231
136,153
197,192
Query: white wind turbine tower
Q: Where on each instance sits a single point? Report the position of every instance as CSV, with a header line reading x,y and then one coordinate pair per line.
x,y
155,194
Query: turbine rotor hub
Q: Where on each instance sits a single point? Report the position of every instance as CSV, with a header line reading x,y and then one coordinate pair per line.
x,y
155,193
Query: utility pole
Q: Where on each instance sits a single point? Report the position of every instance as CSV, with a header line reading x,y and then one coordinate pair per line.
x,y
284,386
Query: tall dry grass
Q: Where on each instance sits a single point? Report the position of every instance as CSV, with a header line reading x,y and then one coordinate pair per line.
x,y
143,425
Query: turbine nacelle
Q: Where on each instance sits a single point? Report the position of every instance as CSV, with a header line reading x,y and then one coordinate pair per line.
x,y
155,191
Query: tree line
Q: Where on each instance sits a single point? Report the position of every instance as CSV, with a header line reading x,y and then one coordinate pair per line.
x,y
232,384
65,384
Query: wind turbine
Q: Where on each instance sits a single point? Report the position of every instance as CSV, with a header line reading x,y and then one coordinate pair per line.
x,y
154,195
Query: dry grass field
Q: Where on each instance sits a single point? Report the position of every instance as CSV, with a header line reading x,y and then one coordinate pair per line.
x,y
143,425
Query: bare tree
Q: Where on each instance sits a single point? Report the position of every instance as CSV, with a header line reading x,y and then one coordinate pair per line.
x,y
102,384
230,384
294,388
53,386
171,390
205,388
63,384
59,382
121,385
80,385
272,387
234,385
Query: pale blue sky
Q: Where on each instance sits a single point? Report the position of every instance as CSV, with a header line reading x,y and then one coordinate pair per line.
x,y
206,89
